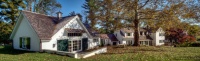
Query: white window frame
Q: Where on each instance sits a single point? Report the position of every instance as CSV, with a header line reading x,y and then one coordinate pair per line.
x,y
72,45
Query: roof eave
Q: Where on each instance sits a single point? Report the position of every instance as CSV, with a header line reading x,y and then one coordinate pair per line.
x,y
17,25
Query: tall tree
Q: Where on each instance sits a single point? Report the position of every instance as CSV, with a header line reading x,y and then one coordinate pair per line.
x,y
29,4
48,7
9,10
104,13
155,13
159,12
72,13
91,7
5,31
194,30
162,13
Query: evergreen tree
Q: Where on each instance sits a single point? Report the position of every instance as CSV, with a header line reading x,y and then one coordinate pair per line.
x,y
90,9
9,10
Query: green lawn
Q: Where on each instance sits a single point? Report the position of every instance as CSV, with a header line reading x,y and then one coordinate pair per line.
x,y
114,54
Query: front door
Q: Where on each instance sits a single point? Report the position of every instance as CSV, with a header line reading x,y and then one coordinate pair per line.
x,y
84,44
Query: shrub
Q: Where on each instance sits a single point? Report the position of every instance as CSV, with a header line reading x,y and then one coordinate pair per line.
x,y
189,44
195,45
186,39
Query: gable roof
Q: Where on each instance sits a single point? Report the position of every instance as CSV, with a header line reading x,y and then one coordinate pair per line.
x,y
108,36
153,30
45,26
103,36
112,37
127,30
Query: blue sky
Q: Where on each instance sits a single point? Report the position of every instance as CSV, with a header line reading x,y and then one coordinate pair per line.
x,y
71,5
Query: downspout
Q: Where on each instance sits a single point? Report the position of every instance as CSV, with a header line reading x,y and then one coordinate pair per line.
x,y
40,46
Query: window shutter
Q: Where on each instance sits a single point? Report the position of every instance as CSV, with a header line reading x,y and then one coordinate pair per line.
x,y
28,44
20,42
66,44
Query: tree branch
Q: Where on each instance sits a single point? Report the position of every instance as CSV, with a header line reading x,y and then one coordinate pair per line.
x,y
148,18
144,4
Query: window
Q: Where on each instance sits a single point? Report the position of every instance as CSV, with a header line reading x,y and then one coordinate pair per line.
x,y
161,41
95,40
144,42
128,34
54,45
70,46
141,42
161,34
140,33
74,45
25,42
74,34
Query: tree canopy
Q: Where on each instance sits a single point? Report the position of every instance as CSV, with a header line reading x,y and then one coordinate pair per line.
x,y
113,14
48,7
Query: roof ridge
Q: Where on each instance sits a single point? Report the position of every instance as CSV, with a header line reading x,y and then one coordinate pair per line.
x,y
36,13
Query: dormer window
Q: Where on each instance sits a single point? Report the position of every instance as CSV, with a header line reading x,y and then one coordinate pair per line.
x,y
128,34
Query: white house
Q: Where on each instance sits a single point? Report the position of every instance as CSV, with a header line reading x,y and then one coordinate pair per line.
x,y
38,32
108,39
158,37
125,36
146,36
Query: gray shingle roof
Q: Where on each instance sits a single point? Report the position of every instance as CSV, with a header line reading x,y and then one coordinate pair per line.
x,y
108,36
46,26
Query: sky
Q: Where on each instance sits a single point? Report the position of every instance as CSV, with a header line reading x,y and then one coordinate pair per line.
x,y
71,5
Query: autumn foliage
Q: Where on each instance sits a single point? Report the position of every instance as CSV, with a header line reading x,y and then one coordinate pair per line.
x,y
179,36
186,38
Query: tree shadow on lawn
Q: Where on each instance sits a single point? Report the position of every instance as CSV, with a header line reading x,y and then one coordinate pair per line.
x,y
193,58
134,50
7,49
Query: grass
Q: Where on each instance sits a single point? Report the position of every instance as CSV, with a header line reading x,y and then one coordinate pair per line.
x,y
128,53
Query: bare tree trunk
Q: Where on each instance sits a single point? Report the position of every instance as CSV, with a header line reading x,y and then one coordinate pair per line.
x,y
136,33
136,27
